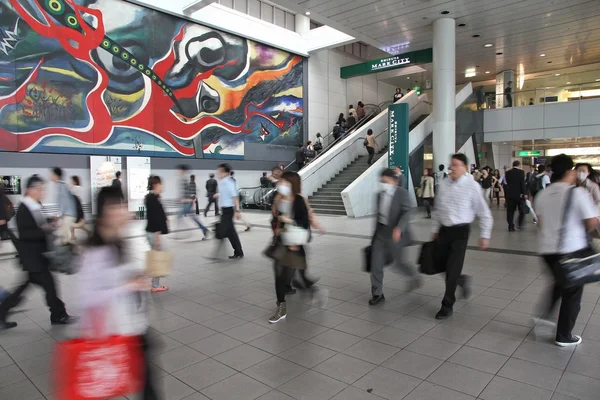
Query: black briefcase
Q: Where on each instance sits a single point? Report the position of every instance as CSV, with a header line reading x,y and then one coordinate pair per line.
x,y
429,260
367,253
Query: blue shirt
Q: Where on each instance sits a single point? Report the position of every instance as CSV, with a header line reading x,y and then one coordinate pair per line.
x,y
227,191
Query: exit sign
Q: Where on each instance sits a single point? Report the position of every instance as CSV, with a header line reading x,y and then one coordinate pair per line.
x,y
529,153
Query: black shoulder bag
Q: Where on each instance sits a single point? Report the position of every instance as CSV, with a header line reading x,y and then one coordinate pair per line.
x,y
580,267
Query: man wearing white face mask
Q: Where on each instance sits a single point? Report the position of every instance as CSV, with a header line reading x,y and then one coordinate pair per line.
x,y
391,235
583,180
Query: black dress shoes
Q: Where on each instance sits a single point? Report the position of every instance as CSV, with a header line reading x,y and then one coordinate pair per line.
x,y
444,313
236,256
7,325
376,300
65,320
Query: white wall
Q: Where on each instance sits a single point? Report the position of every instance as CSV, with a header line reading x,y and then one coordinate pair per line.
x,y
329,95
169,177
544,121
503,155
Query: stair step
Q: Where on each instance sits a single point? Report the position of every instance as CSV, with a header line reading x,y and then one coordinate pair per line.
x,y
329,212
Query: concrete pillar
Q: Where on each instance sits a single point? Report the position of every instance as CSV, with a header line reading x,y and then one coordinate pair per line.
x,y
302,24
502,79
444,83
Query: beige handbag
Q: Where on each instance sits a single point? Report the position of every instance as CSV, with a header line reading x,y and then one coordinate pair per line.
x,y
158,263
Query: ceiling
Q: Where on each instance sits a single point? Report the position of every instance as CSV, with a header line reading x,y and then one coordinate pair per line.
x,y
566,31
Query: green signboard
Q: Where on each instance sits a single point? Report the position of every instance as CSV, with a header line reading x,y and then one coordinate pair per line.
x,y
388,63
398,137
529,153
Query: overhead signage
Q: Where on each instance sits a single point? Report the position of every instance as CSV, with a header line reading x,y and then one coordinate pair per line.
x,y
398,137
388,63
12,184
529,153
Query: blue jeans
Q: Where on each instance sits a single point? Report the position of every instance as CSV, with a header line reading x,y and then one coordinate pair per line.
x,y
186,209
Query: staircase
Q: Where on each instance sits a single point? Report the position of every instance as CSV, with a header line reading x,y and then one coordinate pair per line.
x,y
328,199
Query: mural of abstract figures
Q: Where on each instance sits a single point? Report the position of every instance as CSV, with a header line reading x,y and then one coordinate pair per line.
x,y
109,77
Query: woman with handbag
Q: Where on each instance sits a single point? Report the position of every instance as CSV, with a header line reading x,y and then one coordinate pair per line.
x,y
110,293
425,191
157,224
292,235
565,216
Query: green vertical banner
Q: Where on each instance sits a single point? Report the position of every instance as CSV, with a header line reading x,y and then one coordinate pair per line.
x,y
398,138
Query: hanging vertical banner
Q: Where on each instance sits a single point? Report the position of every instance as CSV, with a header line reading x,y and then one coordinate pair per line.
x,y
398,137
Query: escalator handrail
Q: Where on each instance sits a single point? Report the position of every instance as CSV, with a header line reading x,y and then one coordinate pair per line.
x,y
332,158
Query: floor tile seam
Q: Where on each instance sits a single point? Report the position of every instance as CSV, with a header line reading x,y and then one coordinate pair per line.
x,y
448,387
564,371
356,358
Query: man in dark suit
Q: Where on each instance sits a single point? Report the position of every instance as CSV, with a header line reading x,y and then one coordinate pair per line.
x,y
515,194
211,194
300,157
32,246
392,234
118,184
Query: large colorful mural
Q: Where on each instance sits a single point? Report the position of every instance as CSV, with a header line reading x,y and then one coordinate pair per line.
x,y
109,77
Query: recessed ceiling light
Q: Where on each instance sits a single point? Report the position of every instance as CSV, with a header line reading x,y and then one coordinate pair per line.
x,y
568,83
543,55
307,13
476,36
408,77
445,12
488,45
499,53
597,80
461,25
556,74
487,72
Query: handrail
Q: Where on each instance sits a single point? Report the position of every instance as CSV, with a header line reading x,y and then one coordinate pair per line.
x,y
341,152
596,83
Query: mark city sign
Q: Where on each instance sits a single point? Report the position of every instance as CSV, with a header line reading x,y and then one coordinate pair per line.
x,y
388,63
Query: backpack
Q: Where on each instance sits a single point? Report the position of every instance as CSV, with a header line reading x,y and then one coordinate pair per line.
x,y
318,146
538,185
9,209
309,153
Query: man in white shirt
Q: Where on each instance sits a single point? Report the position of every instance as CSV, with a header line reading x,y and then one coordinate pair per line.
x,y
459,201
561,234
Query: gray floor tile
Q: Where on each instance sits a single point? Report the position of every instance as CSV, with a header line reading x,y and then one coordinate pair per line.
x,y
494,343
387,383
275,371
353,393
371,351
589,348
171,324
430,391
275,395
433,347
505,389
359,327
11,374
251,313
480,360
465,321
5,359
413,324
171,388
204,373
24,390
191,334
216,344
517,318
236,387
300,329
162,344
554,356
242,357
307,354
413,364
344,368
335,340
196,396
247,332
328,318
579,386
275,342
31,350
461,379
350,309
394,337
178,358
451,333
312,386
509,331
584,365
223,322
531,373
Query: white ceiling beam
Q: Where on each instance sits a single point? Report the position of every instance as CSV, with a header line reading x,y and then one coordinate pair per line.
x,y
295,8
196,5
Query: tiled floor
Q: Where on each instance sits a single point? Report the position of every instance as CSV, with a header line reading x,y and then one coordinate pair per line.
x,y
213,340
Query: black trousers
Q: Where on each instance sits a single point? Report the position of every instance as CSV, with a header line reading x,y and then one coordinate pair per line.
x,y
570,305
149,391
427,202
229,232
371,152
513,205
299,165
211,200
452,244
45,280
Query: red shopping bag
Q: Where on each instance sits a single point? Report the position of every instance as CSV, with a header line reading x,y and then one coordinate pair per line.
x,y
99,369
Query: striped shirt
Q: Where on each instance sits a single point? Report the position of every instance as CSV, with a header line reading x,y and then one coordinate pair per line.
x,y
459,202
